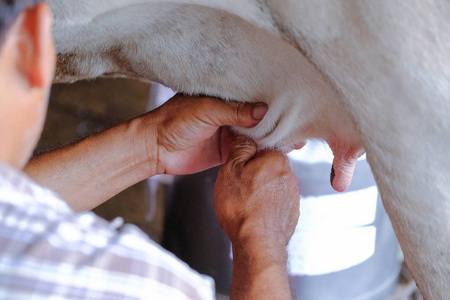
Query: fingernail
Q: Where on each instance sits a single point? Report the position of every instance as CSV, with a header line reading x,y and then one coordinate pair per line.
x,y
259,111
299,146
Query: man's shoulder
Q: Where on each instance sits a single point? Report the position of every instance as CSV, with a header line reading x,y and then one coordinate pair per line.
x,y
82,252
46,247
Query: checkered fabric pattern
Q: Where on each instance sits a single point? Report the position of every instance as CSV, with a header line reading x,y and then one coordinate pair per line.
x,y
47,251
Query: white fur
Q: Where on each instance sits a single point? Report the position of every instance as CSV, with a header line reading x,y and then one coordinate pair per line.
x,y
386,63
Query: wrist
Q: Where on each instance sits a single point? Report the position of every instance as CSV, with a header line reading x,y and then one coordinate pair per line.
x,y
256,233
259,272
144,133
260,254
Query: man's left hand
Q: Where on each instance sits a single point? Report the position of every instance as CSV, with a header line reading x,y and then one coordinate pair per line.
x,y
192,135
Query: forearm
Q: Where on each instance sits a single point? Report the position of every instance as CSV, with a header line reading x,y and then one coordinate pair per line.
x,y
90,172
259,274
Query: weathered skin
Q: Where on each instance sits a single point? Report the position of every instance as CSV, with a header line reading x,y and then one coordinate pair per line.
x,y
381,69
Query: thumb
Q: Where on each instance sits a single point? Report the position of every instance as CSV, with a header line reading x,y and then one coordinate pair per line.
x,y
238,114
242,150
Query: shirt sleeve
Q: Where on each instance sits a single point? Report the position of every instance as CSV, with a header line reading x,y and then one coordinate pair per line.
x,y
46,254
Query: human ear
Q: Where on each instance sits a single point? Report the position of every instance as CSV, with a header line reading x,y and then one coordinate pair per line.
x,y
35,48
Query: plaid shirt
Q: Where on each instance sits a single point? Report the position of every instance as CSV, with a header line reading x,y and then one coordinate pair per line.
x,y
47,251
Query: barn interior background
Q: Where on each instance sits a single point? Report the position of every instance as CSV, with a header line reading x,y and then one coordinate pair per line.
x,y
83,108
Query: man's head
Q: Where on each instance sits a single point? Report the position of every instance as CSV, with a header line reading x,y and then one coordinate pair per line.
x,y
27,62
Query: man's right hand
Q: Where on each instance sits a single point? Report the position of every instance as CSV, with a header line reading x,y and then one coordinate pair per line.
x,y
257,204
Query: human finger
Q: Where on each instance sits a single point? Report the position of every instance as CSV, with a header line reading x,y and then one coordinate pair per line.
x,y
241,151
240,114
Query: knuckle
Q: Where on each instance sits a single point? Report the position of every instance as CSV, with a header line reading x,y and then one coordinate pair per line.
x,y
278,162
244,146
201,102
245,143
229,167
240,115
233,168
